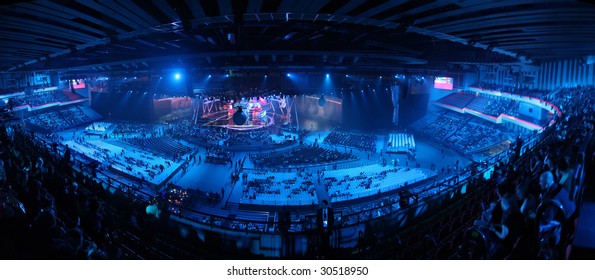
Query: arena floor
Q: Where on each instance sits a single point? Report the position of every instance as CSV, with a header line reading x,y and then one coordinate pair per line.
x,y
215,178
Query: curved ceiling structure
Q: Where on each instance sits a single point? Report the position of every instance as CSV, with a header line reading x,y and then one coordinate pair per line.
x,y
104,35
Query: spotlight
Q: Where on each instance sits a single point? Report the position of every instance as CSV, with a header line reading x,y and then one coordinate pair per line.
x,y
209,76
177,76
288,74
266,76
327,75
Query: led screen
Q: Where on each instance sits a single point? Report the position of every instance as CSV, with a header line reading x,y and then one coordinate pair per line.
x,y
443,83
78,84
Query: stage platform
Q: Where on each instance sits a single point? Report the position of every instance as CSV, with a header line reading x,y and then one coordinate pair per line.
x,y
400,142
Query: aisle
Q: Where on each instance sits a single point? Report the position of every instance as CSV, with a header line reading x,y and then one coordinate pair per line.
x,y
206,177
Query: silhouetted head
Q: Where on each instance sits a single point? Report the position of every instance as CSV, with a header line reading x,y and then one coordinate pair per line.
x,y
546,180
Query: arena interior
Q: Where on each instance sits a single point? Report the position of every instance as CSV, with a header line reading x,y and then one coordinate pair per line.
x,y
315,129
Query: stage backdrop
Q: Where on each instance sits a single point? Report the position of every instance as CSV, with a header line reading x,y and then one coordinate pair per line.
x,y
313,116
123,106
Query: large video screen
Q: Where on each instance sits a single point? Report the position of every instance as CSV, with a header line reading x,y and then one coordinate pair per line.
x,y
78,84
313,116
443,83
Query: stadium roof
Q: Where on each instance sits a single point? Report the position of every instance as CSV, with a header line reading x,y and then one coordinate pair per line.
x,y
106,35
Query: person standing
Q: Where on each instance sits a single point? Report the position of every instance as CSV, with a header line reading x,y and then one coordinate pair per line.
x,y
325,219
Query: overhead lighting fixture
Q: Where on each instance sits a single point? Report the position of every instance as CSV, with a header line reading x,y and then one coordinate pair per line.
x,y
289,35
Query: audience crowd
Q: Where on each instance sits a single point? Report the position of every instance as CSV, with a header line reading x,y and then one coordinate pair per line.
x,y
278,188
539,196
299,156
474,136
357,139
257,138
49,216
51,210
466,134
45,97
58,119
526,91
483,103
347,184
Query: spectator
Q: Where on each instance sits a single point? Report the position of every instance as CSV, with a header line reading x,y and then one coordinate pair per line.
x,y
557,192
527,200
509,229
325,219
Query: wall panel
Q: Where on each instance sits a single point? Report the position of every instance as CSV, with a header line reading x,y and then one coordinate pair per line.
x,y
565,73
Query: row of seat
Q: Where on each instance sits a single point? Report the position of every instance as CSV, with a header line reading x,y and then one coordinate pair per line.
x,y
302,155
457,99
161,145
357,139
60,119
279,188
370,181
